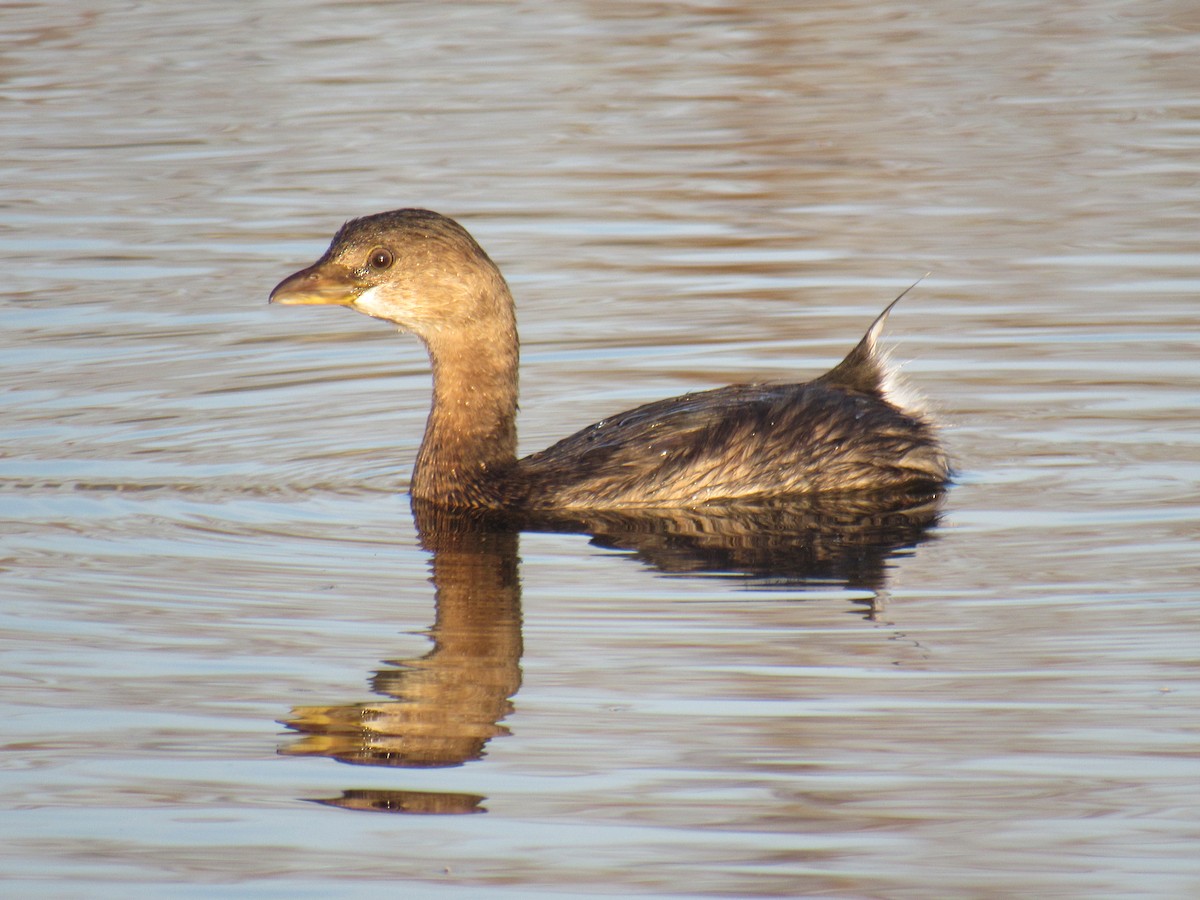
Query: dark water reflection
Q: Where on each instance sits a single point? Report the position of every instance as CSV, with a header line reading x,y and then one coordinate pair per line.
x,y
842,541
441,709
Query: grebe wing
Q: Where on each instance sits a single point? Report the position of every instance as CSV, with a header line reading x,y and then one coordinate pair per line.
x,y
740,441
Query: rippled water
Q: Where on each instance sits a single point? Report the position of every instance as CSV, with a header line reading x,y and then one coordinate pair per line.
x,y
217,608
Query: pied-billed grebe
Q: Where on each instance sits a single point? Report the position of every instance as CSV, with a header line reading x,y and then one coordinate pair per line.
x,y
843,432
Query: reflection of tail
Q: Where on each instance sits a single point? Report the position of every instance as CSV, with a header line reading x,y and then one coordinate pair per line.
x,y
447,704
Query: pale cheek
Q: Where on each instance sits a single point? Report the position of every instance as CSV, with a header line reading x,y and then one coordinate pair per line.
x,y
370,303
390,306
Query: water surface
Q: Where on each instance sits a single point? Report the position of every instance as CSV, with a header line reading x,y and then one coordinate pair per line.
x,y
233,665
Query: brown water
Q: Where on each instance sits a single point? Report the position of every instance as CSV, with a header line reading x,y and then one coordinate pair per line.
x,y
213,592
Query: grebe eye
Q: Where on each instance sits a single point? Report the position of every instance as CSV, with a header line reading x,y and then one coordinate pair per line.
x,y
381,258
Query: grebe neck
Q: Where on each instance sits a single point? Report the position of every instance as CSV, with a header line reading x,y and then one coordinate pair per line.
x,y
470,440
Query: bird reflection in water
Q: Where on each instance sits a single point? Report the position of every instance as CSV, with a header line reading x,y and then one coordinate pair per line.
x,y
443,708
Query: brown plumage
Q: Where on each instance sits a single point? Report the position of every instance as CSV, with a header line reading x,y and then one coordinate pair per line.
x,y
843,432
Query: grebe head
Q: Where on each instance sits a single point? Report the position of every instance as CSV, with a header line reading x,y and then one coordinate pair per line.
x,y
413,267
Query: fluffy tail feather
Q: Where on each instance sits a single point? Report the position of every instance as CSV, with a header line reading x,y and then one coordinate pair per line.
x,y
866,368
